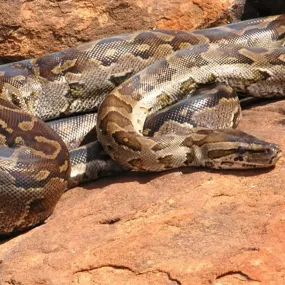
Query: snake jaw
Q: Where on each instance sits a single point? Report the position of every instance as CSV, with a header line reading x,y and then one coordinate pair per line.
x,y
268,156
241,151
249,160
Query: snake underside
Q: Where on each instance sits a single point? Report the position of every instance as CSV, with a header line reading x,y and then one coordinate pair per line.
x,y
157,109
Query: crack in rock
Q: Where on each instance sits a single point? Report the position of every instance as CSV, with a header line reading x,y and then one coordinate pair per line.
x,y
240,273
122,267
110,221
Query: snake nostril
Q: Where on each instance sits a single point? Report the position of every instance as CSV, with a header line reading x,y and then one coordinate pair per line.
x,y
275,148
241,150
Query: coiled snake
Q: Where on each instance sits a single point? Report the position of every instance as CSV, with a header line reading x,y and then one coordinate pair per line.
x,y
128,79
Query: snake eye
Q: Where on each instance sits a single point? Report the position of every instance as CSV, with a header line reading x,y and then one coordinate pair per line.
x,y
241,150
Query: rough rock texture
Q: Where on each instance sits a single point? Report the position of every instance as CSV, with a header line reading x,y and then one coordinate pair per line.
x,y
189,226
29,28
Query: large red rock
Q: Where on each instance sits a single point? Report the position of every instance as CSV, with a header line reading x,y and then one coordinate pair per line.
x,y
32,28
186,226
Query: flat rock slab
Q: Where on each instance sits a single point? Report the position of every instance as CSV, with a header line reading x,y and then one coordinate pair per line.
x,y
187,226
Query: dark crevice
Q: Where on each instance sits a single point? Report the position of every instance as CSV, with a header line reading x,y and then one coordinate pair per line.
x,y
118,267
110,221
13,282
252,249
169,276
262,8
9,59
245,276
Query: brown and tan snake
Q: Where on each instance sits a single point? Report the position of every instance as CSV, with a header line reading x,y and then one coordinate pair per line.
x,y
141,84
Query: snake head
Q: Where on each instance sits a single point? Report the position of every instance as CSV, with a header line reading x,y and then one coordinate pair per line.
x,y
234,149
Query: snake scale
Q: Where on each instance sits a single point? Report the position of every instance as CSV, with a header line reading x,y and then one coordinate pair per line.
x,y
139,83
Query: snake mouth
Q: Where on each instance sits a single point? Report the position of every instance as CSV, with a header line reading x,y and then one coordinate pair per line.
x,y
263,158
244,156
266,156
276,157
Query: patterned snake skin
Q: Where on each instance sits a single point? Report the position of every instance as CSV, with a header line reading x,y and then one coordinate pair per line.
x,y
128,79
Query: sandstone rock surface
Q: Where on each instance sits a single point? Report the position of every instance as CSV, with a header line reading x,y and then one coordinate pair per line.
x,y
188,226
32,28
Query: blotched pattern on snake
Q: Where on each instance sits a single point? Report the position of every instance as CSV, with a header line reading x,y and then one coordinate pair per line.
x,y
165,99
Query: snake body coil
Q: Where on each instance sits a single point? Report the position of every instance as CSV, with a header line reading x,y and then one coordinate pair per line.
x,y
128,78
